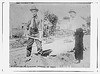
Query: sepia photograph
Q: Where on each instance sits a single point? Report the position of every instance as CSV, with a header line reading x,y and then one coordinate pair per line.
x,y
49,34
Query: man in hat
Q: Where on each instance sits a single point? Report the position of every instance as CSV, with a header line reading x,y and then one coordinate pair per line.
x,y
33,27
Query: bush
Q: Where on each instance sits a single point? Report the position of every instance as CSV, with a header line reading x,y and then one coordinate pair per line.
x,y
53,19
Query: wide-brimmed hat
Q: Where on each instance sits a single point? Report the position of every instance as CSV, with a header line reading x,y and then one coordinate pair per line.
x,y
33,8
72,11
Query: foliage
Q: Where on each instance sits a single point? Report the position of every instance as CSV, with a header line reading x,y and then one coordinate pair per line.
x,y
53,19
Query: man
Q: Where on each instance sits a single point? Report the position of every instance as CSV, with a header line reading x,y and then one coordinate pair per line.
x,y
33,27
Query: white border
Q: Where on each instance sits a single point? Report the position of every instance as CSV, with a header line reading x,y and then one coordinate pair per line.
x,y
6,39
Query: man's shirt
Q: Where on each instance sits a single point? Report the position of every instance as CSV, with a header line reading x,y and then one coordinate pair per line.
x,y
30,24
38,23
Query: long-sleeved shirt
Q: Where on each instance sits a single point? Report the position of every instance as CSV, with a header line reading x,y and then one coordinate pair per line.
x,y
38,23
31,23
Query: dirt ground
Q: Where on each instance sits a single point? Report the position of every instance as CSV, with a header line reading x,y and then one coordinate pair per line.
x,y
63,59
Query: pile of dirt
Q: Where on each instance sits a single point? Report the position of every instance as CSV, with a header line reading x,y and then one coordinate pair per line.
x,y
62,60
15,61
67,59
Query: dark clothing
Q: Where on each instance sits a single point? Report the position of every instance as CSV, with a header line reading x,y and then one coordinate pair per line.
x,y
34,27
30,43
79,44
33,30
79,55
34,24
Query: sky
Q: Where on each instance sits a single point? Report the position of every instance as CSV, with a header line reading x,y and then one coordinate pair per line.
x,y
20,13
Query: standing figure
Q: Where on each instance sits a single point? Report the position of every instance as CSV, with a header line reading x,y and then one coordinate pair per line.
x,y
78,25
33,27
79,44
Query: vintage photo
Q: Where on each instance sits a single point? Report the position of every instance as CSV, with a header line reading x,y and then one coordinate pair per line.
x,y
49,34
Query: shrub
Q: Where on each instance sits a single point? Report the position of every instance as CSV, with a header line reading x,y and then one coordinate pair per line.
x,y
52,18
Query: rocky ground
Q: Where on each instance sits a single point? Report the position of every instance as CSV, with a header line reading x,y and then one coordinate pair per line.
x,y
62,59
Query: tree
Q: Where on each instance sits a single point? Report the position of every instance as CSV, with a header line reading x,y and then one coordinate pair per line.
x,y
52,19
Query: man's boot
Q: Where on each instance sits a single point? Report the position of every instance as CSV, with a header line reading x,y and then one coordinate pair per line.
x,y
28,51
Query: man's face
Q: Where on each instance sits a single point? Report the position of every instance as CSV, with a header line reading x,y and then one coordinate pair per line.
x,y
72,14
34,12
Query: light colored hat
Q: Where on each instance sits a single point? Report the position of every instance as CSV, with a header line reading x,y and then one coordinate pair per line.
x,y
72,11
33,8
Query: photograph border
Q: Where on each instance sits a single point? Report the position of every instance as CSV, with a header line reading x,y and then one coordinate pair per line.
x,y
48,70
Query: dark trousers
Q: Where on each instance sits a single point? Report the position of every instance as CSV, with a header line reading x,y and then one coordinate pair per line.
x,y
30,43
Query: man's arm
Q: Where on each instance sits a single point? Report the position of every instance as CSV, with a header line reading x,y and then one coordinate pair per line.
x,y
40,28
27,28
40,25
28,24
